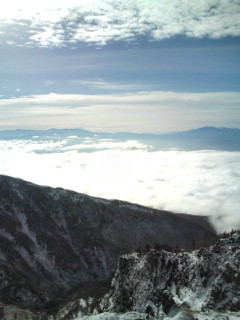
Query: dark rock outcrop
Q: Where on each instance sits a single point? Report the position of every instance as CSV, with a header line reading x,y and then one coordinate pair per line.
x,y
55,241
161,283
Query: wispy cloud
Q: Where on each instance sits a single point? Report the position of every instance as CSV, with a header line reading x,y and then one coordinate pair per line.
x,y
145,111
200,182
113,86
56,23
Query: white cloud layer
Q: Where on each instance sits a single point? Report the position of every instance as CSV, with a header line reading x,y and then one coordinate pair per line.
x,y
57,22
203,182
146,111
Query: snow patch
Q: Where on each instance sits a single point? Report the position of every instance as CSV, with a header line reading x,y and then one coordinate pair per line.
x,y
6,235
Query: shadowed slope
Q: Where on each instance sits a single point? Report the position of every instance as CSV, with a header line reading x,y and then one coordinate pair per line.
x,y
55,239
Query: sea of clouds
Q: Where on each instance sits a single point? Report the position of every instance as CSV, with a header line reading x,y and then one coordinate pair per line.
x,y
195,182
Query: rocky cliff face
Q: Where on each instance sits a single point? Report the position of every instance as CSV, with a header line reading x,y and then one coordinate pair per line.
x,y
185,285
54,241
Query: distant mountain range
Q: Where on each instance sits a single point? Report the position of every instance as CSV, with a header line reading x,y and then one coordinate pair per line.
x,y
54,242
206,138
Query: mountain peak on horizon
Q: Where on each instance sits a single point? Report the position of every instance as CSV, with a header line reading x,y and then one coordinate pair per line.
x,y
80,129
203,138
214,128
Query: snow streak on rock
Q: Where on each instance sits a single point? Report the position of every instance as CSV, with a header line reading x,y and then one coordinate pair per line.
x,y
161,283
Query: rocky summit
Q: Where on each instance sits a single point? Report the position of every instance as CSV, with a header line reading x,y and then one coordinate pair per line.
x,y
202,284
56,244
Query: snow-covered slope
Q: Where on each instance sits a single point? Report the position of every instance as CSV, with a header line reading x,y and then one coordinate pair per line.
x,y
203,284
54,242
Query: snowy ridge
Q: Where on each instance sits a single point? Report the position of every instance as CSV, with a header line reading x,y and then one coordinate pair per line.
x,y
203,284
56,244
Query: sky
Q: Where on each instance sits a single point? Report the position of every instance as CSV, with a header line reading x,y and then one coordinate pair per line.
x,y
119,65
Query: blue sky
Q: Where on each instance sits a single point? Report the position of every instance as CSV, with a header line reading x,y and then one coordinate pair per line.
x,y
110,65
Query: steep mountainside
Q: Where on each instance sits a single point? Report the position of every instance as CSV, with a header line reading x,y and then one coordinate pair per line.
x,y
203,284
53,240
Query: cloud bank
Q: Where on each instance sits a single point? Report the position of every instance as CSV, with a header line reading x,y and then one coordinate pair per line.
x,y
60,22
145,111
203,182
